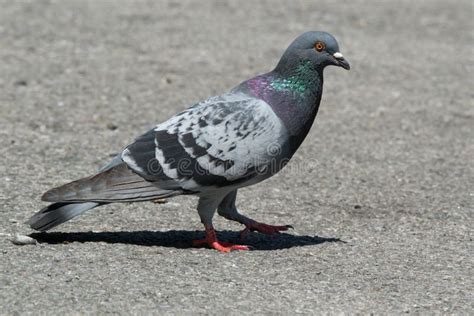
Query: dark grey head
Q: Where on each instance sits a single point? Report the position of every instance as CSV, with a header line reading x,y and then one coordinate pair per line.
x,y
319,48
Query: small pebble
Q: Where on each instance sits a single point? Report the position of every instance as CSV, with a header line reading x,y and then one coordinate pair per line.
x,y
22,83
23,240
160,201
112,126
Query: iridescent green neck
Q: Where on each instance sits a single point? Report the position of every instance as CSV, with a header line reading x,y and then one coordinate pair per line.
x,y
300,81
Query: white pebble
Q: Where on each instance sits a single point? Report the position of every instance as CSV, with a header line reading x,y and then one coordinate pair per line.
x,y
23,240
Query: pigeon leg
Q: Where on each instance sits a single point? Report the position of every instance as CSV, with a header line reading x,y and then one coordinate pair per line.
x,y
211,241
228,210
206,209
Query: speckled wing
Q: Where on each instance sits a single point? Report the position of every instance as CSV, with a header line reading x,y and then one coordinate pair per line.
x,y
222,141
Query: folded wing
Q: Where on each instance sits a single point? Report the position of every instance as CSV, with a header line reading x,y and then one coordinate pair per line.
x,y
218,142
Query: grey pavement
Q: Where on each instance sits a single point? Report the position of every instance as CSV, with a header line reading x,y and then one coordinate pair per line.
x,y
381,193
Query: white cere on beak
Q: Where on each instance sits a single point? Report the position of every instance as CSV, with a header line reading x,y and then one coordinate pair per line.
x,y
338,55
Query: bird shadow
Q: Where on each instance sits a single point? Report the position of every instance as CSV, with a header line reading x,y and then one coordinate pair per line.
x,y
182,239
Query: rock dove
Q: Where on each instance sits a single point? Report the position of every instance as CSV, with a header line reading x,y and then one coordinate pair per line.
x,y
214,147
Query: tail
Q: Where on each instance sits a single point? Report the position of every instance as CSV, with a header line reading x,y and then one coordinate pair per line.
x,y
117,184
58,213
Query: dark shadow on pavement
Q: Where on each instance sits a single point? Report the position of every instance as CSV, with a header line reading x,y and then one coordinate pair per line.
x,y
182,239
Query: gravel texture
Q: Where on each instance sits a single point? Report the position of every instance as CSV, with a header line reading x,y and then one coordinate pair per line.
x,y
380,193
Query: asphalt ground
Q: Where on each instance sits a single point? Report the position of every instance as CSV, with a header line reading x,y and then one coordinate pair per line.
x,y
380,193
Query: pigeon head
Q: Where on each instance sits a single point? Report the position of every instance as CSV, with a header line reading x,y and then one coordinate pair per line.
x,y
317,49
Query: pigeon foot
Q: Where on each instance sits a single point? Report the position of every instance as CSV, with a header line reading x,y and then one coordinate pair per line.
x,y
262,228
212,242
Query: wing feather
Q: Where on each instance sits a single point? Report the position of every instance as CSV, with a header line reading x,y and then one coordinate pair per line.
x,y
218,142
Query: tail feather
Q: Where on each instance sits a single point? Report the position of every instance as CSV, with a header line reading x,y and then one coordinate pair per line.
x,y
58,213
116,183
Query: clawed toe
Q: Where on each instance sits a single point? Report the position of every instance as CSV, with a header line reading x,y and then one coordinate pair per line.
x,y
263,228
212,242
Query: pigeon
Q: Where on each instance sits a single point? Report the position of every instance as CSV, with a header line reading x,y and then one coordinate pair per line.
x,y
214,147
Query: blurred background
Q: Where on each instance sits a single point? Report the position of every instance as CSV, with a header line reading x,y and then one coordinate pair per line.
x,y
387,167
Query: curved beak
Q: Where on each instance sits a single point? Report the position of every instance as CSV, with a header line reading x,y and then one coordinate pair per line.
x,y
340,61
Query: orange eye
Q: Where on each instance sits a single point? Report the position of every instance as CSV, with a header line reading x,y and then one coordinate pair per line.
x,y
319,46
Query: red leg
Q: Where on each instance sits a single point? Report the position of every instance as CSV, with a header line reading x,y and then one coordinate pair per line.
x,y
211,241
252,225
